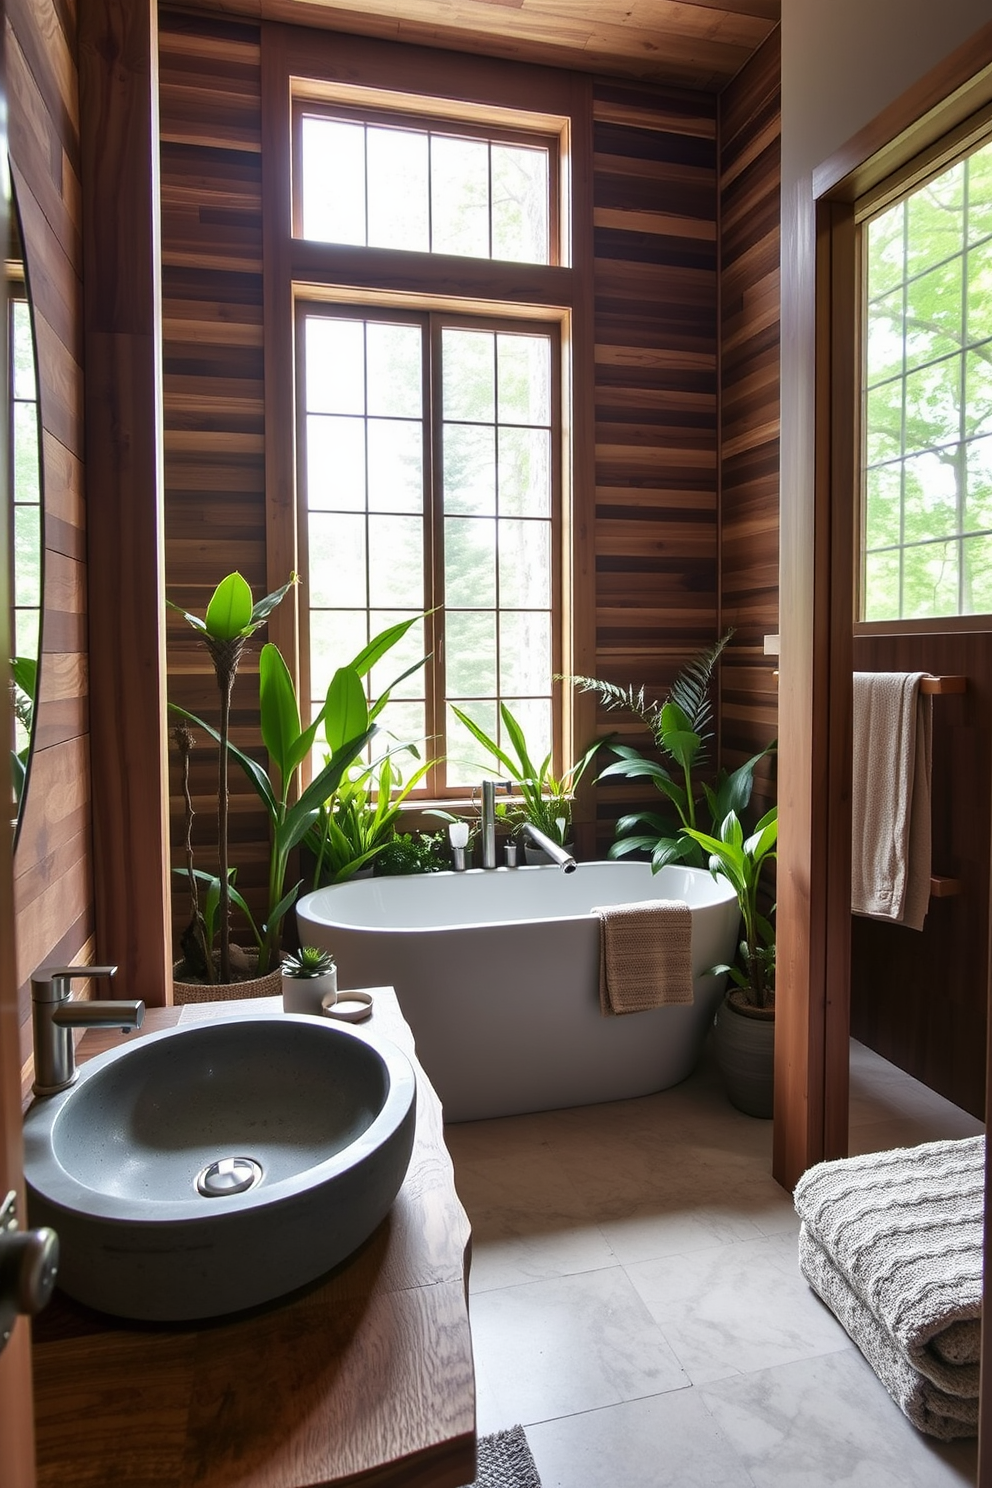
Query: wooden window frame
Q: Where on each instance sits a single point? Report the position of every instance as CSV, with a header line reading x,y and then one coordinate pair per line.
x,y
551,136
298,67
909,177
433,323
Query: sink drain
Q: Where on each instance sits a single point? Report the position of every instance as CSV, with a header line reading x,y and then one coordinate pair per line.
x,y
228,1175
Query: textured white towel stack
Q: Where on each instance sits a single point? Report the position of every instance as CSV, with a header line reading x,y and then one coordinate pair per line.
x,y
892,1243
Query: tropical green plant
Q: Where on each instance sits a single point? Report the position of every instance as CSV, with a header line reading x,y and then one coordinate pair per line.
x,y
358,821
681,727
231,618
413,852
23,691
307,962
289,745
545,798
740,860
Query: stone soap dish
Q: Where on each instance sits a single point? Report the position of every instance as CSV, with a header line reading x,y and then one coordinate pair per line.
x,y
348,1007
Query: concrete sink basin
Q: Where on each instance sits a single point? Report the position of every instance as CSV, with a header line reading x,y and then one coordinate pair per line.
x,y
207,1169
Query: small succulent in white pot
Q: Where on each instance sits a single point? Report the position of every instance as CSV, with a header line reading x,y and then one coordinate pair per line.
x,y
309,981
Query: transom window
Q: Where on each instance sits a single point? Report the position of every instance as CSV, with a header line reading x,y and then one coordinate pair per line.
x,y
431,474
927,418
388,181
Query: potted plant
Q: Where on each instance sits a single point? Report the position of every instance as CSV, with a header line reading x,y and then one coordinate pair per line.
x,y
230,619
681,727
745,1022
358,821
309,981
545,799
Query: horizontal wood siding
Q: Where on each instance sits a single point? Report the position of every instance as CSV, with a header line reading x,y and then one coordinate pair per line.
x,y
656,396
211,162
749,409
53,886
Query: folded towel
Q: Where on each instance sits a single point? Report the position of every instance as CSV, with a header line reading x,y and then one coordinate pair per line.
x,y
890,859
930,1409
904,1230
645,955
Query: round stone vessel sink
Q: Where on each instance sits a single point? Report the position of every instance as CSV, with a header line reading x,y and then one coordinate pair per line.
x,y
206,1169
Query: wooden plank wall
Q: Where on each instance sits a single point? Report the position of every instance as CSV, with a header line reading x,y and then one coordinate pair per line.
x,y
749,135
657,599
211,165
655,232
52,865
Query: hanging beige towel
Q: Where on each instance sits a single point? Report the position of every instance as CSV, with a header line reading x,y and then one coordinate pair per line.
x,y
645,955
890,859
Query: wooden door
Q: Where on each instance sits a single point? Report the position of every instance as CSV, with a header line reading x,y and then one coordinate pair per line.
x,y
16,1413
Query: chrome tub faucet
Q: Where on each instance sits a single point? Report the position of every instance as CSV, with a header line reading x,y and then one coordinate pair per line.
x,y
558,854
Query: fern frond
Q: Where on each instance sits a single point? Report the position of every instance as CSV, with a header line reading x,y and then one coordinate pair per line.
x,y
691,688
612,697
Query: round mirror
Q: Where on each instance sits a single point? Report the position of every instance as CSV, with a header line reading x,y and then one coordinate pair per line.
x,y
24,486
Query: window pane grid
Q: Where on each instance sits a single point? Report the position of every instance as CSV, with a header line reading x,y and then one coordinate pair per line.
x,y
365,543
928,401
494,545
24,479
514,664
406,186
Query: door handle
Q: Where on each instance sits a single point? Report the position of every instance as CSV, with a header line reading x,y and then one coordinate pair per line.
x,y
29,1263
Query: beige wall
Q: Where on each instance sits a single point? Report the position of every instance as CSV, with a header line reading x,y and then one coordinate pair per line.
x,y
844,60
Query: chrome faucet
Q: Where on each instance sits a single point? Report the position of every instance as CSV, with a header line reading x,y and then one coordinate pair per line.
x,y
558,854
489,824
55,1016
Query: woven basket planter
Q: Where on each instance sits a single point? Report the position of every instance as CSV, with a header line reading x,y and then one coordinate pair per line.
x,y
269,985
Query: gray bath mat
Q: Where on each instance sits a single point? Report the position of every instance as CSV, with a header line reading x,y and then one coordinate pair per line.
x,y
504,1461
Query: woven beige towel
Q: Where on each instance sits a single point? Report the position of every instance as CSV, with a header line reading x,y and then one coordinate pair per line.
x,y
645,955
890,856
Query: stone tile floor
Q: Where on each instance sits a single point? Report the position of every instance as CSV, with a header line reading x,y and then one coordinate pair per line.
x,y
637,1305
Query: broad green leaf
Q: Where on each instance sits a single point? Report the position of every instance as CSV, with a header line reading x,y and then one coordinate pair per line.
x,y
384,697
519,743
380,644
278,913
634,766
346,711
24,670
254,771
229,611
487,743
263,609
677,738
279,711
731,831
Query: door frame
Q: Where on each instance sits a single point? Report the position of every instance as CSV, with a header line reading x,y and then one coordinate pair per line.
x,y
819,264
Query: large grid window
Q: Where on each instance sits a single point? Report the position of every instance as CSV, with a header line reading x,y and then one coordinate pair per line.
x,y
25,486
381,181
431,477
927,416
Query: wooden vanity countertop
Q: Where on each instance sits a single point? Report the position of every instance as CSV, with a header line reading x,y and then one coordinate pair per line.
x,y
363,1378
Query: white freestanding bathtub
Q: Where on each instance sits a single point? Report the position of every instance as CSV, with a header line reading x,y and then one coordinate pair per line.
x,y
497,973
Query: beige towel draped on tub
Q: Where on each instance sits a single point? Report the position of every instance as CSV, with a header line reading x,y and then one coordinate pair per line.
x,y
890,860
645,957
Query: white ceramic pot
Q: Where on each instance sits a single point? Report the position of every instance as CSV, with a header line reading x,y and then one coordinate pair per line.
x,y
308,994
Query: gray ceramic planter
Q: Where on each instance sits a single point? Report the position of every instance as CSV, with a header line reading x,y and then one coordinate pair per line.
x,y
745,1053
